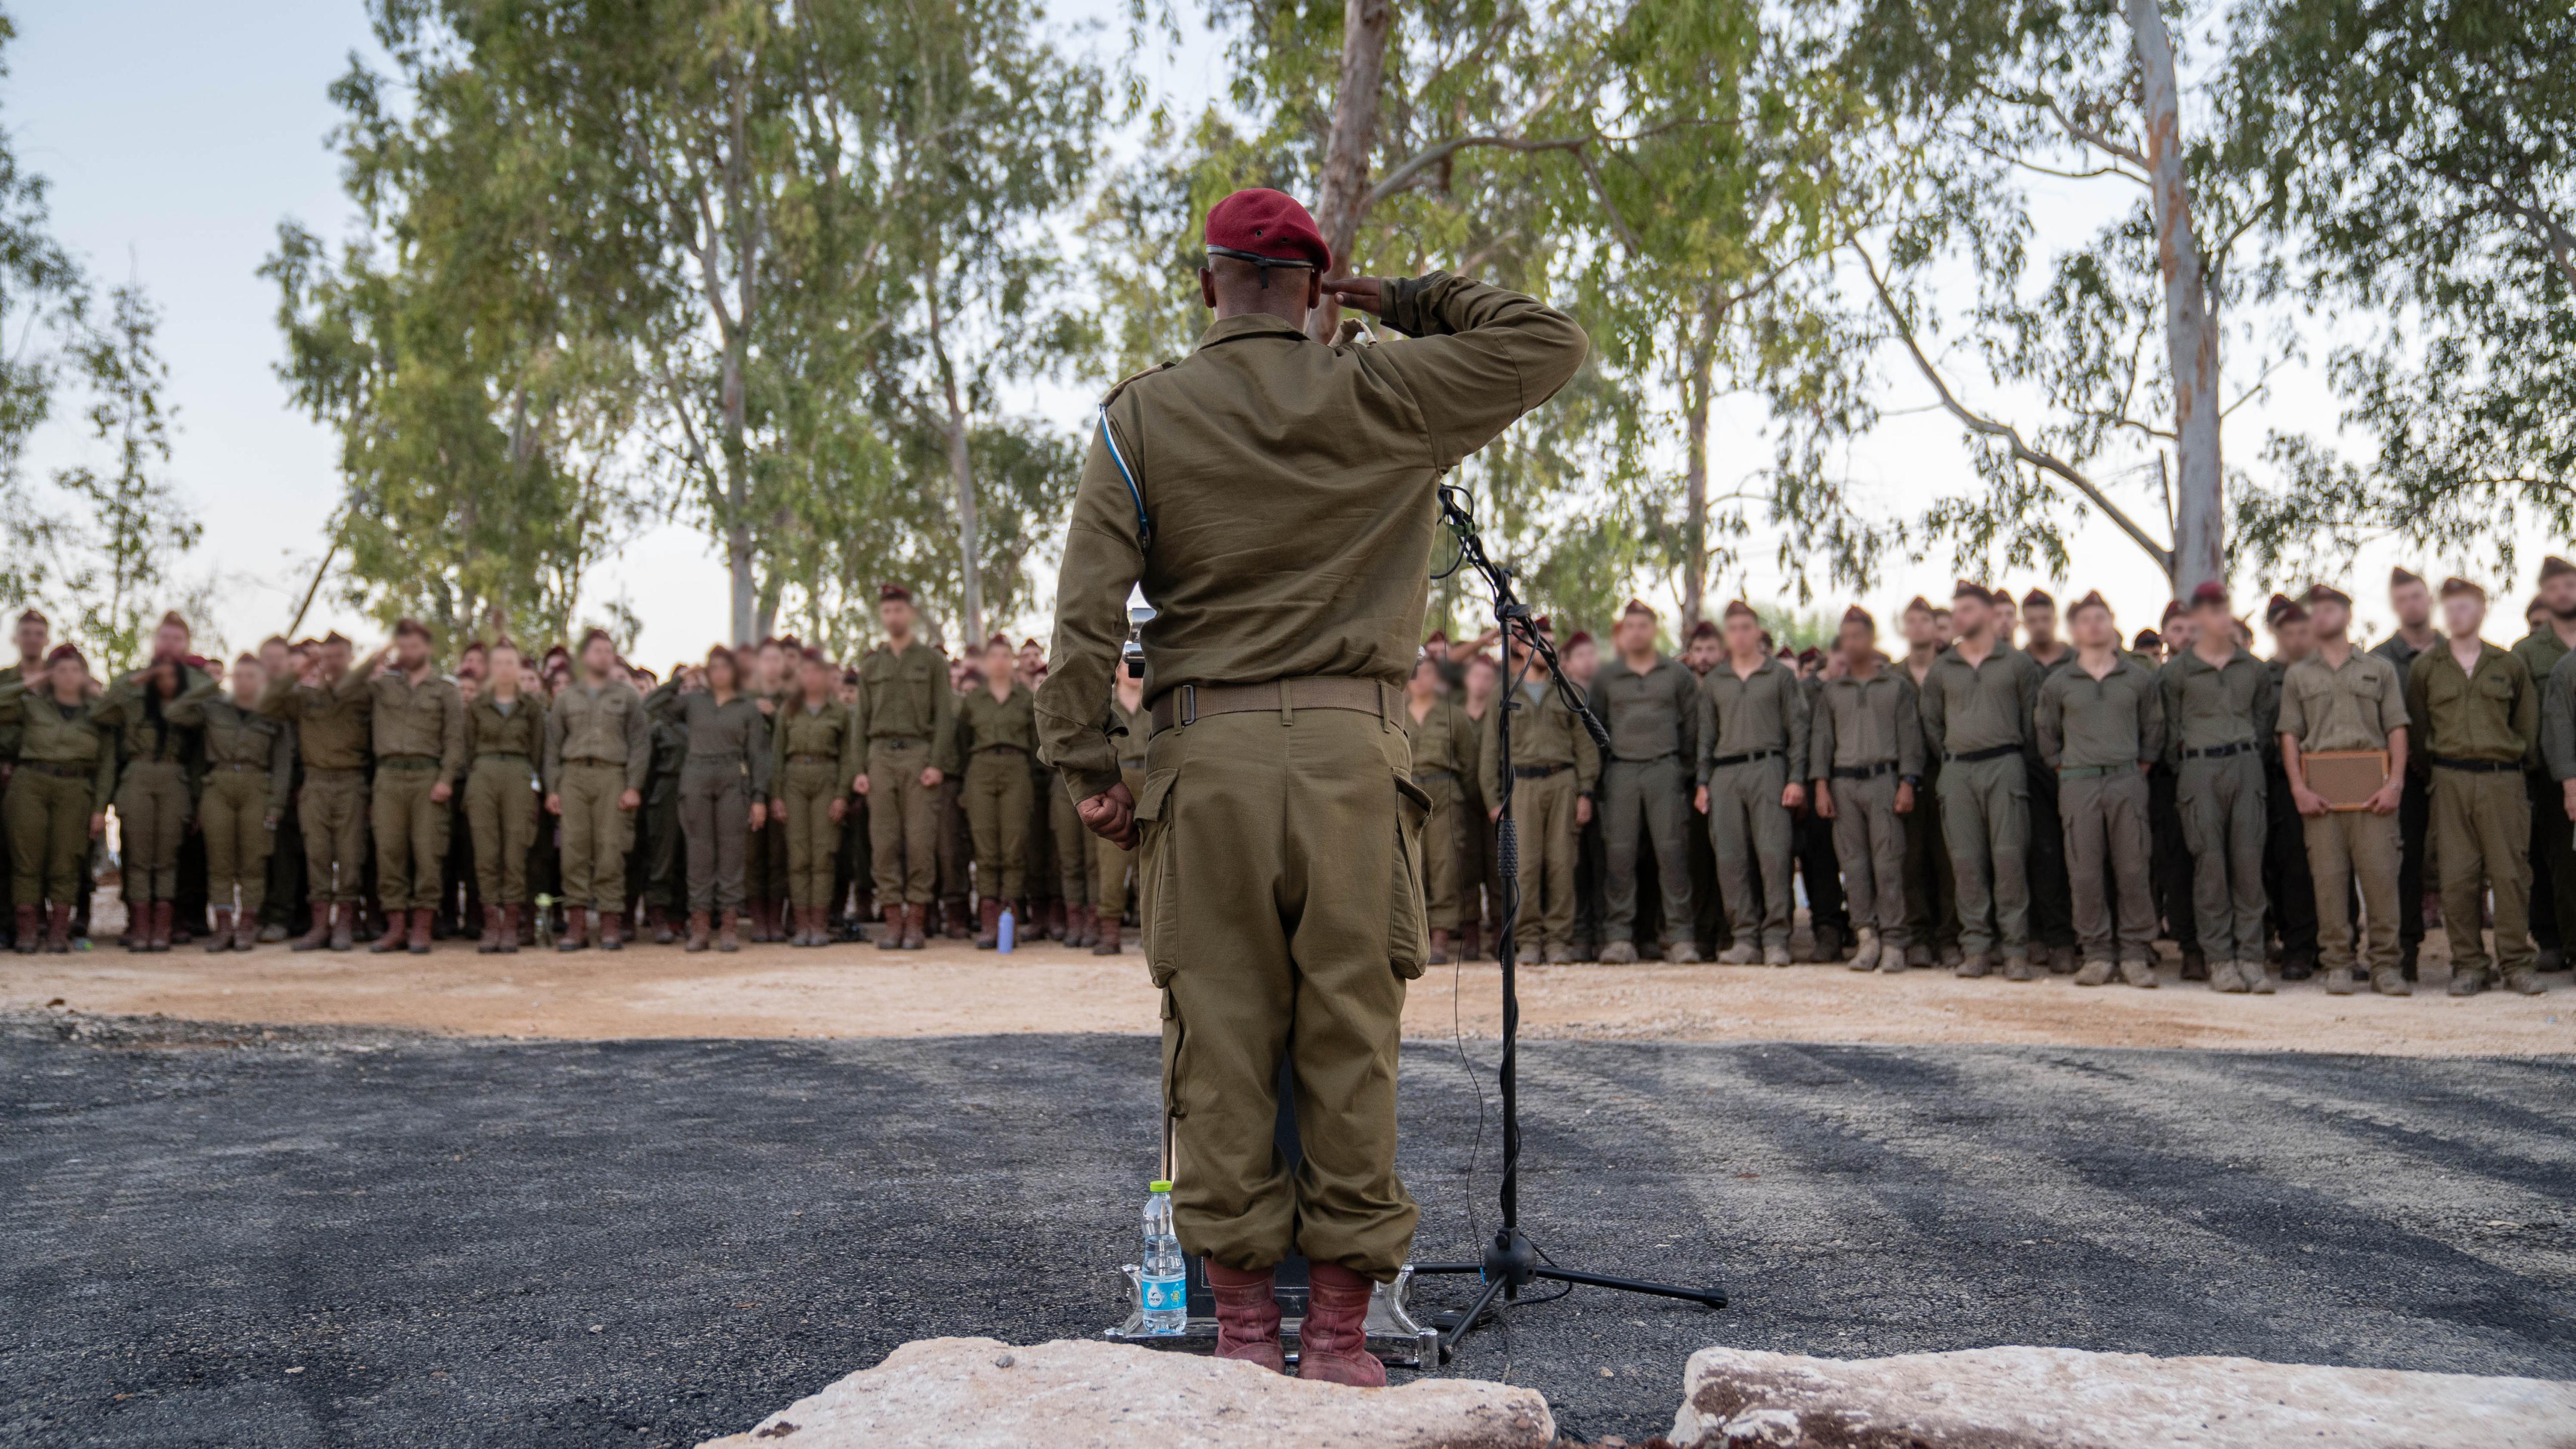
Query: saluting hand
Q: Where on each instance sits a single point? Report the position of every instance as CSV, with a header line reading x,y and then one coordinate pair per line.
x,y
1368,294
1111,815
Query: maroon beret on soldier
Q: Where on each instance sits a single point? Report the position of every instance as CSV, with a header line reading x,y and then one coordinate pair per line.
x,y
2038,599
1579,636
2552,566
1268,229
1737,607
2092,600
1966,590
2147,639
1919,605
1637,606
62,652
2457,585
1704,629
2284,610
1858,615
2399,578
2211,593
889,593
35,616
408,625
2326,593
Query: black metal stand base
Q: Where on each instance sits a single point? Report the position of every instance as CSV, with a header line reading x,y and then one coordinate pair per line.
x,y
1510,1265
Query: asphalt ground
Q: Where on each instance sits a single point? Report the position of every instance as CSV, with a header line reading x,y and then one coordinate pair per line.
x,y
212,1236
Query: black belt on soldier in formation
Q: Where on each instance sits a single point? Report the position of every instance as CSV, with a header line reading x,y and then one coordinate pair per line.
x,y
407,762
500,755
1722,761
1992,752
835,759
896,742
589,763
1536,772
55,767
2220,752
1284,697
1863,772
2090,772
2474,767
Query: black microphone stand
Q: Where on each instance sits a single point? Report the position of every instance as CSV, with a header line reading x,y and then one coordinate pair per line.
x,y
1511,1262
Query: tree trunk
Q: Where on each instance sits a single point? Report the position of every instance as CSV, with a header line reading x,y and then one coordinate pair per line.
x,y
2191,324
1695,496
1342,192
737,350
970,574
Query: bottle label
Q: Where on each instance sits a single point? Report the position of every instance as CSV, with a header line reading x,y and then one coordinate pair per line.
x,y
1167,1295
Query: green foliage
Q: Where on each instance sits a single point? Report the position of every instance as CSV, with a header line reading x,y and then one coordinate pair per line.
x,y
43,303
132,524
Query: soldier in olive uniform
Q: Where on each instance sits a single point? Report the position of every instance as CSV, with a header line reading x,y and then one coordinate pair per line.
x,y
814,756
724,789
1865,753
998,718
1650,705
2101,726
2219,712
2412,601
507,739
2480,714
1480,685
1111,864
1275,497
597,750
666,851
1931,897
33,636
2553,836
1978,699
58,792
1555,768
2052,906
327,705
2338,698
906,711
1752,772
1444,746
2286,884
154,712
249,770
419,732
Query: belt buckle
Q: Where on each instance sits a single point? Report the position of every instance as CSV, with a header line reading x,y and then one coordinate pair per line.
x,y
1189,704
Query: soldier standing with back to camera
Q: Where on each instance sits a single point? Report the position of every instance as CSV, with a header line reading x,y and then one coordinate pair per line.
x,y
1280,521
1650,705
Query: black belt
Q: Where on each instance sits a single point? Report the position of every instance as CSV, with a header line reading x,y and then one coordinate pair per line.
x,y
1536,772
1863,772
500,755
1421,775
2475,767
1996,752
835,759
67,772
897,742
407,762
596,763
2220,752
229,765
1722,761
979,749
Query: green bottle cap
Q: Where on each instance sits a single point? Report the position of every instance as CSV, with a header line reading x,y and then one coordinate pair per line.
x,y
1158,1185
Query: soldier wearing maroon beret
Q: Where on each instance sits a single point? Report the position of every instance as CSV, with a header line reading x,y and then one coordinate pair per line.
x,y
1931,896
2287,881
2411,599
2553,857
1649,703
1274,497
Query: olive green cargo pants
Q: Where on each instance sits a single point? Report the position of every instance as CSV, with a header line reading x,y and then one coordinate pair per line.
x,y
903,824
1931,892
2349,849
1282,919
2104,822
234,816
411,835
1985,821
813,836
333,812
998,812
665,851
1439,860
48,836
2223,826
2481,827
1750,829
1110,866
1652,795
501,818
1543,818
596,836
715,816
1869,845
152,819
1072,849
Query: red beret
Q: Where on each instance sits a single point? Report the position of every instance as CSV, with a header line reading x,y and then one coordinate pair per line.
x,y
2399,578
1858,615
2552,566
1966,590
2457,585
1918,605
2147,639
34,616
1810,654
1636,606
998,641
173,617
2092,600
63,652
1579,636
2038,599
1544,623
2210,591
2284,610
2324,593
410,626
888,593
1703,630
1265,226
1737,607
2173,607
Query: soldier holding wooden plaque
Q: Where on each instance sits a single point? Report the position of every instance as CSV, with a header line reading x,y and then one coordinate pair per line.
x,y
2343,746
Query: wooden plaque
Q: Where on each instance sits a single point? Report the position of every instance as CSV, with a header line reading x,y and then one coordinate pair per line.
x,y
2346,778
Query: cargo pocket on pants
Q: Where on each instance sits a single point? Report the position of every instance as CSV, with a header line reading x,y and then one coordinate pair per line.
x,y
1159,908
1407,919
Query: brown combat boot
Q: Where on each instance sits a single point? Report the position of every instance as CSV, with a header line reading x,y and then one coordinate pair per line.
x,y
221,938
890,934
1471,946
1332,1344
612,931
1247,1316
1440,948
397,926
729,935
957,930
30,929
421,918
988,924
157,935
508,942
1107,944
58,929
490,944
658,921
697,932
1084,927
576,925
915,918
1055,921
343,924
246,931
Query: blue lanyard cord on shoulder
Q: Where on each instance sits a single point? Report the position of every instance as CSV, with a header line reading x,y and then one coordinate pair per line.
x,y
1144,521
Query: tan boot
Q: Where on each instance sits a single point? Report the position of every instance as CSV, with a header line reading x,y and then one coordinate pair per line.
x,y
344,925
1332,1344
2096,972
220,939
2339,982
2139,972
1107,945
1616,953
697,931
988,923
1247,1316
1865,954
729,932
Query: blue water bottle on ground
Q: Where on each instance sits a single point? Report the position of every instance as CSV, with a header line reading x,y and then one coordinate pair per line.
x,y
1010,931
1165,1281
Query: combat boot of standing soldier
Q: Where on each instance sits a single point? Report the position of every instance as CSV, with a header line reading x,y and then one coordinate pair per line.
x,y
1274,497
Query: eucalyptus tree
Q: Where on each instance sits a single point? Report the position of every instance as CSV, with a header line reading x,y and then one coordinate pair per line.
x,y
43,301
129,522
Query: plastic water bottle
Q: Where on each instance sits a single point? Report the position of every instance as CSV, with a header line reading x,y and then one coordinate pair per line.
x,y
1166,1277
1010,931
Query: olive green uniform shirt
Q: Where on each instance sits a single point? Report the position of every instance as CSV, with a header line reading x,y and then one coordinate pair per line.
x,y
991,723
2354,707
2490,714
1280,550
1444,739
604,726
2209,706
830,731
906,696
1764,710
424,720
734,733
1984,706
1859,722
2115,722
522,732
330,719
141,738
1650,716
56,734
236,737
1544,732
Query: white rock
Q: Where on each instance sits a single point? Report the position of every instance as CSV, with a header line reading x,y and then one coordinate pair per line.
x,y
2060,1398
968,1393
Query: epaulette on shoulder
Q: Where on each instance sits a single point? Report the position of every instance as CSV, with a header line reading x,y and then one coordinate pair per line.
x,y
1111,396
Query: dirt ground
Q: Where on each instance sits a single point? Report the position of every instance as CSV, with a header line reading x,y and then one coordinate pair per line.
x,y
951,989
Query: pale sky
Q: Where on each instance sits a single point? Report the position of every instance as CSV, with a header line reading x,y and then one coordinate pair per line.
x,y
178,135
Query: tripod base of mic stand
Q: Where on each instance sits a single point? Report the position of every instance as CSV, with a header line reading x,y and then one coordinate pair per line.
x,y
1511,1264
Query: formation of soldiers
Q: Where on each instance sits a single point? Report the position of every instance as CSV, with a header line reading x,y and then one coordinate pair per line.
x,y
2025,793
308,795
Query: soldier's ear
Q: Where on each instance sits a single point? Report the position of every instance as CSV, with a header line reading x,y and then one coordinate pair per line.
x,y
1314,288
1207,288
